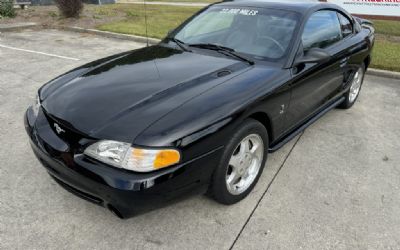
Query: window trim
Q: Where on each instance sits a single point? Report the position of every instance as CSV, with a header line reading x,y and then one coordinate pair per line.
x,y
351,22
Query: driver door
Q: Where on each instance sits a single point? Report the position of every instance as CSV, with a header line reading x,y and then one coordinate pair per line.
x,y
314,84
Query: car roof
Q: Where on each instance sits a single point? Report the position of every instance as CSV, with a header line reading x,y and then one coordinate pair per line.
x,y
301,6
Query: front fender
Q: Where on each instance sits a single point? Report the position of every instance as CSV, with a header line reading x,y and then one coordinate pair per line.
x,y
209,120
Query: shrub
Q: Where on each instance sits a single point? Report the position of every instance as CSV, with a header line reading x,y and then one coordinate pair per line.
x,y
7,8
69,8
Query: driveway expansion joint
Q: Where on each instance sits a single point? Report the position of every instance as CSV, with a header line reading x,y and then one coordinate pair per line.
x,y
266,190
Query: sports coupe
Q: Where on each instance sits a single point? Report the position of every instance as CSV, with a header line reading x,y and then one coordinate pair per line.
x,y
200,111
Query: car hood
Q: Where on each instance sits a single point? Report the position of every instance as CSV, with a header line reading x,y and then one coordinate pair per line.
x,y
118,97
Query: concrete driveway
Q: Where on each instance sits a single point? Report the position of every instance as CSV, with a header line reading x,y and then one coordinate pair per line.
x,y
336,186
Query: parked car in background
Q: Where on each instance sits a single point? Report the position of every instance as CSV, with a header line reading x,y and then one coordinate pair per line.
x,y
201,110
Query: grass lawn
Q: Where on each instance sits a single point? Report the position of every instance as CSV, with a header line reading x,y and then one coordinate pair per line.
x,y
160,19
386,54
387,27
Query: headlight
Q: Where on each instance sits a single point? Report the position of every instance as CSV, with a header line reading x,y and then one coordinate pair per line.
x,y
36,105
122,155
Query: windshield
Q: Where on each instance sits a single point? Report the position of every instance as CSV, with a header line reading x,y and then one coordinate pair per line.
x,y
259,32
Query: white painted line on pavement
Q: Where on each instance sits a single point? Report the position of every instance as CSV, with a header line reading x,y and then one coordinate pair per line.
x,y
38,52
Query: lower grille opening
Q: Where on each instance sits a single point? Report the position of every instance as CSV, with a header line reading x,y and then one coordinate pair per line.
x,y
78,192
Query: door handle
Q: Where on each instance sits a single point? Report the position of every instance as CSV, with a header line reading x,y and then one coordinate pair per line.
x,y
343,62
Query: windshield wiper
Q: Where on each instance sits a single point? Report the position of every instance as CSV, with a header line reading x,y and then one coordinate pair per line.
x,y
179,43
228,51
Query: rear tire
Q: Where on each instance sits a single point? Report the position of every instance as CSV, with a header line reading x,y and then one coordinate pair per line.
x,y
242,163
355,88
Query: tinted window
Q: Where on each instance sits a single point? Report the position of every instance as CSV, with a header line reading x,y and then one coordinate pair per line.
x,y
260,32
345,24
321,30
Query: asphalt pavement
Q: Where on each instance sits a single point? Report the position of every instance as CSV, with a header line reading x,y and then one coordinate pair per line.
x,y
336,186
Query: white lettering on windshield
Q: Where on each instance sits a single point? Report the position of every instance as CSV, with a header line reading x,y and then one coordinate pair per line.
x,y
245,12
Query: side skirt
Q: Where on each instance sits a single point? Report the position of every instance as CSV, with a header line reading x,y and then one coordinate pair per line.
x,y
297,131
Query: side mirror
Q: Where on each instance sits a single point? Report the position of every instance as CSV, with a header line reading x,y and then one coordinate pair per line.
x,y
314,55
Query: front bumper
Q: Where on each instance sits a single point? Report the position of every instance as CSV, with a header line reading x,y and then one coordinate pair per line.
x,y
124,192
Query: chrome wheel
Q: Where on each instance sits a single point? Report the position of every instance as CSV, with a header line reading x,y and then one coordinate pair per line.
x,y
356,85
244,164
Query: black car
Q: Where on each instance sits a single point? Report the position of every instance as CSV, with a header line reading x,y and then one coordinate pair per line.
x,y
201,110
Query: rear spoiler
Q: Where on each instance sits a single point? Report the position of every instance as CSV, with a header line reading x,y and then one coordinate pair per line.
x,y
364,22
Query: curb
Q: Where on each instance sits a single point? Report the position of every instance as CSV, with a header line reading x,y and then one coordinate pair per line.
x,y
384,73
17,26
108,34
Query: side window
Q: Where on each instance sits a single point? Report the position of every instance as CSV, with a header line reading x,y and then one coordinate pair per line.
x,y
322,29
345,24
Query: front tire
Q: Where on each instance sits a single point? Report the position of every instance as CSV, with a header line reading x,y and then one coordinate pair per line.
x,y
242,163
355,88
